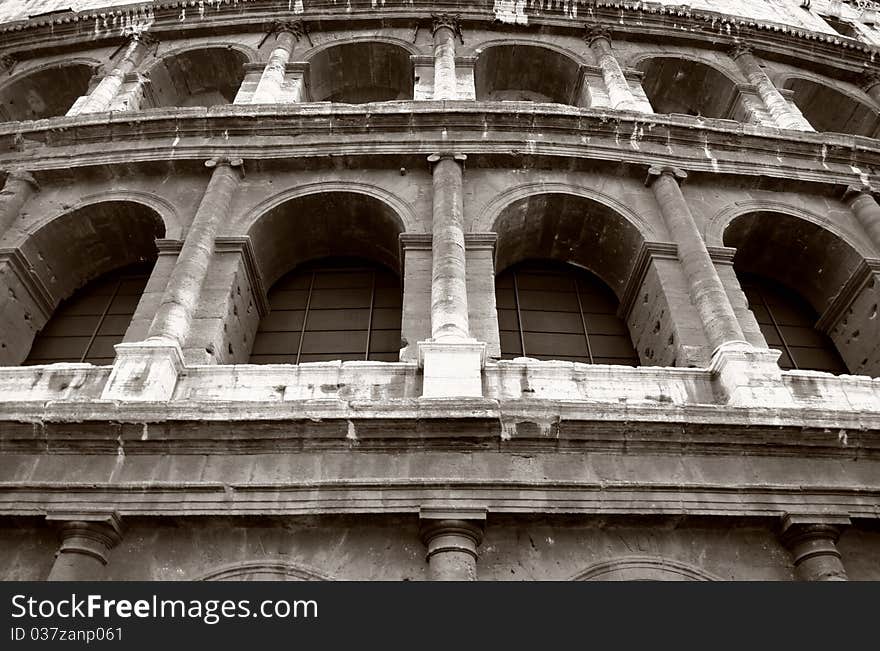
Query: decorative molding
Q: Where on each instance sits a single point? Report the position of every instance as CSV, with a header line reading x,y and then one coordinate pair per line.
x,y
7,62
646,255
721,254
474,241
656,171
453,22
169,246
595,31
414,242
851,289
35,287
244,247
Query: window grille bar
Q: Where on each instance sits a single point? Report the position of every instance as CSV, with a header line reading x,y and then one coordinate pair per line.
x,y
577,293
519,323
302,332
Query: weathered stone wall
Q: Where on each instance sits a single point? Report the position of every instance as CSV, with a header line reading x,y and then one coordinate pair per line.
x,y
188,462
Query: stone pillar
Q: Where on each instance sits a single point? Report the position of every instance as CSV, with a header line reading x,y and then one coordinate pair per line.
x,y
148,370
778,107
861,201
451,358
599,40
444,29
745,375
102,96
449,312
705,288
172,320
19,187
812,541
452,539
86,541
270,87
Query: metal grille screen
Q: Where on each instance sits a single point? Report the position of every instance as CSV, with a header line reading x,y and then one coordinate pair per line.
x,y
86,326
786,321
329,310
548,310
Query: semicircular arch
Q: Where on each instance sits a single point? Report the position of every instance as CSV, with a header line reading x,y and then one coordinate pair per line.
x,y
644,568
263,570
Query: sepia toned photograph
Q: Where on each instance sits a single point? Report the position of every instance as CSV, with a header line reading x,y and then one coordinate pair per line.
x,y
408,291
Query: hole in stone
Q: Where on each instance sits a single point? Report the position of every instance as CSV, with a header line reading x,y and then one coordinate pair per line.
x,y
873,312
855,335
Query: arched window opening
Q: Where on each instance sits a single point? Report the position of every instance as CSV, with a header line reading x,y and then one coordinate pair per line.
x,y
792,272
45,94
786,321
86,326
691,88
526,73
550,310
827,109
332,309
206,77
357,73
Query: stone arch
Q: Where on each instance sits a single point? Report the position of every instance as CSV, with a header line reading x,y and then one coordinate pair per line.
x,y
829,108
263,570
206,75
61,256
569,228
364,38
172,226
836,282
46,91
496,206
718,223
499,73
403,210
332,265
690,86
644,568
361,70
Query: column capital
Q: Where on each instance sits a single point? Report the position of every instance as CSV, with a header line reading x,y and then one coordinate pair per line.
x,y
854,191
144,38
225,161
91,534
596,31
739,48
436,158
18,174
454,530
296,28
453,22
7,62
868,79
796,529
656,171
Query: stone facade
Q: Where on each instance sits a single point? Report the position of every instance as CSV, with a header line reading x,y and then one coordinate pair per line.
x,y
668,150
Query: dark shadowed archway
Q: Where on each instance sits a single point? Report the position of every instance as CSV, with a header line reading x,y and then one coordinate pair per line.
x,y
526,73
676,85
357,73
47,93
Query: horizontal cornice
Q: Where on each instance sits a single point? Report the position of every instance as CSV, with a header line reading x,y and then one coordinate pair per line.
x,y
266,133
162,498
629,20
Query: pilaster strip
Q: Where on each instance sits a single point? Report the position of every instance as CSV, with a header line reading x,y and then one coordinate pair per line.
x,y
646,255
244,247
847,294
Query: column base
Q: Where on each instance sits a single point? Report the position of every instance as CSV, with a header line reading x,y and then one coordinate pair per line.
x,y
452,369
749,377
146,370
